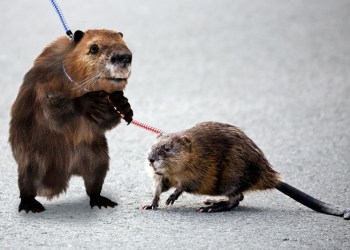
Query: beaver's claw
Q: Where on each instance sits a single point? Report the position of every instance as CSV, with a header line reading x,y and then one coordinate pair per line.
x,y
122,105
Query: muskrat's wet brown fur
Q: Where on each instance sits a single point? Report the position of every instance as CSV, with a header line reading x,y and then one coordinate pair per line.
x,y
215,159
58,124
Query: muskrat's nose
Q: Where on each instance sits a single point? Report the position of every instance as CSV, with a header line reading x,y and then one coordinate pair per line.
x,y
123,59
151,160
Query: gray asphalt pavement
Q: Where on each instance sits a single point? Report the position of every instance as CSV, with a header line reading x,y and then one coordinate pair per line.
x,y
280,70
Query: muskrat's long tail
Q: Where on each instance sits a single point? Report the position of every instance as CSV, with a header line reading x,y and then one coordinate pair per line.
x,y
313,203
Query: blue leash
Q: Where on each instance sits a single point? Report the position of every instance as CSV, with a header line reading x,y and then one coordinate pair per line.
x,y
63,21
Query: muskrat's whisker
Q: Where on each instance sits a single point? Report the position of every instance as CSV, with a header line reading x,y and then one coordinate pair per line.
x,y
144,156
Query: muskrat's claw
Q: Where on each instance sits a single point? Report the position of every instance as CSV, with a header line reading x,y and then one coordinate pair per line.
x,y
212,202
149,207
220,206
346,215
172,198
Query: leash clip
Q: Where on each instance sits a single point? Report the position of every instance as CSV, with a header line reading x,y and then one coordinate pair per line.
x,y
63,21
70,34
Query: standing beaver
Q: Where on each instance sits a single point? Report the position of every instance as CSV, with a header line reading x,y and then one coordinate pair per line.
x,y
219,159
68,100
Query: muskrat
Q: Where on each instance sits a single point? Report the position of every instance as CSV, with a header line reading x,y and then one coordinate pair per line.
x,y
214,158
70,97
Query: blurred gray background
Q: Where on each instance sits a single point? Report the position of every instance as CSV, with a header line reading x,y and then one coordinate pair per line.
x,y
280,70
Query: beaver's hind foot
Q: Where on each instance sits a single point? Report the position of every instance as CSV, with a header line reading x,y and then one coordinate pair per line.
x,y
30,204
100,201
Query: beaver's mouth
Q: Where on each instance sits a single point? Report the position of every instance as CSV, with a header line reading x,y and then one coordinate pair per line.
x,y
117,80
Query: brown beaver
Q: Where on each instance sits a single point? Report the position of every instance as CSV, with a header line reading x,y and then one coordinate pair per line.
x,y
213,158
68,100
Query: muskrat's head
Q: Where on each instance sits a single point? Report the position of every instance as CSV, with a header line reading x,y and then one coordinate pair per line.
x,y
170,154
99,60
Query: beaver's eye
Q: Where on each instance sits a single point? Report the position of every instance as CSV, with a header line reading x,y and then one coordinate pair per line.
x,y
121,34
167,149
94,49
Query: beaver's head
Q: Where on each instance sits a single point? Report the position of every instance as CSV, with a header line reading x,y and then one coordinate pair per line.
x,y
99,60
170,154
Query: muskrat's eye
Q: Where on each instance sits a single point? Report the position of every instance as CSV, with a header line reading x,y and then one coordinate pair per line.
x,y
167,149
121,34
94,49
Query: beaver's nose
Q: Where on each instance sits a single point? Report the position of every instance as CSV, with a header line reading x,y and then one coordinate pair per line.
x,y
151,160
122,59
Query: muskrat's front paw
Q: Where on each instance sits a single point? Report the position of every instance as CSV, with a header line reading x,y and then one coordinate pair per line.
x,y
101,201
172,198
122,105
150,207
30,204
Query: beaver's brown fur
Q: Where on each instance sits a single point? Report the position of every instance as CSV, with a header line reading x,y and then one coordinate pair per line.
x,y
66,103
213,158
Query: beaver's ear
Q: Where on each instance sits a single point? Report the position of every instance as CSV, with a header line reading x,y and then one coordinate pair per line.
x,y
78,35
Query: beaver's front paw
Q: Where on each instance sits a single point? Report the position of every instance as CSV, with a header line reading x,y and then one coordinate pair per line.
x,y
122,105
94,106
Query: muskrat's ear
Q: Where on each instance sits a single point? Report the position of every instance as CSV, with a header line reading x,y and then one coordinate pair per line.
x,y
159,135
186,141
78,35
162,135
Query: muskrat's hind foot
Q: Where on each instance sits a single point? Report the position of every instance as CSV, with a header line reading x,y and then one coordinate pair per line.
x,y
221,206
30,204
212,202
100,201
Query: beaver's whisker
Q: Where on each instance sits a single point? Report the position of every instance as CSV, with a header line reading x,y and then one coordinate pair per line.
x,y
88,81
